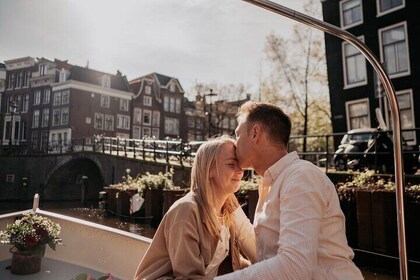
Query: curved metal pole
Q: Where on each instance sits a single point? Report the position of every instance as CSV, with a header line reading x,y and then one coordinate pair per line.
x,y
370,56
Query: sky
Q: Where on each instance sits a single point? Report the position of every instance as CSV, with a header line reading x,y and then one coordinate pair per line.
x,y
207,41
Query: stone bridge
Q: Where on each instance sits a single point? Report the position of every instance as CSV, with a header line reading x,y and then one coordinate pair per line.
x,y
58,177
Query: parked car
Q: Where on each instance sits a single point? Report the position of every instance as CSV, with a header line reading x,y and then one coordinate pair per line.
x,y
354,141
373,149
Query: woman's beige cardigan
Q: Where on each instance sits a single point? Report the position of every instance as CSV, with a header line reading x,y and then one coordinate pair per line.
x,y
182,247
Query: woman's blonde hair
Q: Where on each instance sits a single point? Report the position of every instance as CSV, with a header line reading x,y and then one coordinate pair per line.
x,y
205,159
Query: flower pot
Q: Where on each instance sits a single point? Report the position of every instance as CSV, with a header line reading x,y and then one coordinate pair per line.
x,y
123,202
111,199
170,196
153,205
364,219
25,262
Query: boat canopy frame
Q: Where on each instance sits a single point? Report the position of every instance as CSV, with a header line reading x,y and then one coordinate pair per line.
x,y
392,99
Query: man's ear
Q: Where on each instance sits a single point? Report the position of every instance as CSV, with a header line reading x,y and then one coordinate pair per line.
x,y
256,132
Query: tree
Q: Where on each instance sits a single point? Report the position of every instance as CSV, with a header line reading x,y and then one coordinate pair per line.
x,y
220,107
299,80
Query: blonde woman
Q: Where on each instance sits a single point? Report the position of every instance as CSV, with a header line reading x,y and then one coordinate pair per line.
x,y
197,238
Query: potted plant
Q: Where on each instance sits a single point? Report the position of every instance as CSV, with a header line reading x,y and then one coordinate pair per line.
x,y
152,186
29,235
120,195
373,199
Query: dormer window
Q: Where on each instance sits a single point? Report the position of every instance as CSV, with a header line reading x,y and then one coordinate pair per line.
x,y
172,88
62,77
106,81
148,90
42,70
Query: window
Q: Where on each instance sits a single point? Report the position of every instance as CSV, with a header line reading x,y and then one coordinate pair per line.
x,y
156,118
57,98
64,115
148,90
155,132
354,66
147,117
109,122
34,140
171,104
136,132
199,122
123,122
65,97
88,120
191,122
146,132
358,114
171,126
166,103
405,104
47,94
19,80
351,13
37,97
25,105
11,83
56,117
63,75
99,121
18,100
106,81
26,79
387,6
24,128
394,50
137,116
124,105
104,101
42,70
172,87
35,119
147,101
45,117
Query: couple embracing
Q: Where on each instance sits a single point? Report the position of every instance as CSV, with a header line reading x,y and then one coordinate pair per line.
x,y
298,231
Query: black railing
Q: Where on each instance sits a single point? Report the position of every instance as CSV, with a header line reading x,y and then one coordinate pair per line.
x,y
321,149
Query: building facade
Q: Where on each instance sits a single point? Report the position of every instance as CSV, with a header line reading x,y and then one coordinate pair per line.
x,y
158,107
87,102
206,119
389,29
47,105
55,102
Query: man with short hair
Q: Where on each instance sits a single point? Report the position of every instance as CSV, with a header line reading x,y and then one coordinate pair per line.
x,y
299,226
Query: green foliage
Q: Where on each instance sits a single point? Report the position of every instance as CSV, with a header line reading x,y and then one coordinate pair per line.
x,y
146,181
369,180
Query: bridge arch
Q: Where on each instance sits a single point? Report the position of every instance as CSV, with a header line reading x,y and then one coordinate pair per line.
x,y
64,181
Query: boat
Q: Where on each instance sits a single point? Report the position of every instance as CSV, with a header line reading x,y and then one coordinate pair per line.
x,y
104,249
87,248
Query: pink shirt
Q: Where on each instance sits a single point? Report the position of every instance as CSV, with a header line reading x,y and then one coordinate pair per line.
x,y
299,226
